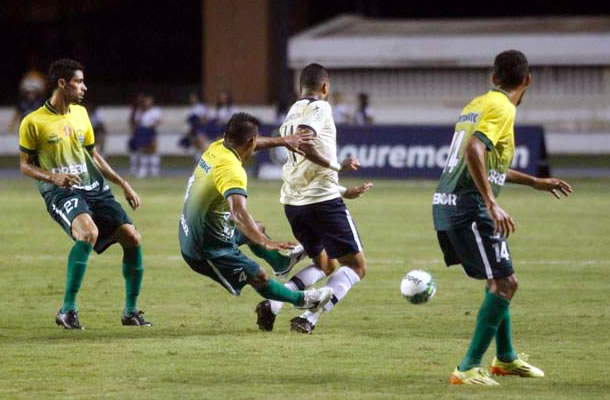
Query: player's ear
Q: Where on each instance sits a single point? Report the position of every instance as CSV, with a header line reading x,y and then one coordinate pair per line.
x,y
495,80
61,83
527,80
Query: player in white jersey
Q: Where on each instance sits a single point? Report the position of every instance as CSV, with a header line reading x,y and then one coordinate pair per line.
x,y
312,199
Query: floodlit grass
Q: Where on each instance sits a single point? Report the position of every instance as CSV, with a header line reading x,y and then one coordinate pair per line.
x,y
373,345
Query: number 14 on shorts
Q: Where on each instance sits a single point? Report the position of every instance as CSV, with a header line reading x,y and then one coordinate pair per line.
x,y
501,250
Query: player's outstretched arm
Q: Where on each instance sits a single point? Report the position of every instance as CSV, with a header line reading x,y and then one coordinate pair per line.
x,y
130,195
355,192
247,225
475,161
553,185
27,164
291,142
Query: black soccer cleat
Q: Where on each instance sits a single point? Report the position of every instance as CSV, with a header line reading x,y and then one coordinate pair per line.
x,y
301,325
264,317
68,320
134,318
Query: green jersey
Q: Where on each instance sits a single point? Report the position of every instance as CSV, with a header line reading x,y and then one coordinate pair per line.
x,y
491,118
206,229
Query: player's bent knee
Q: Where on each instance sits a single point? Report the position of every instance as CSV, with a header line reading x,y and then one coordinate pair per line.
x,y
259,280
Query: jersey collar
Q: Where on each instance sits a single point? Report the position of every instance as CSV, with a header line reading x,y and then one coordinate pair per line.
x,y
497,89
232,150
48,106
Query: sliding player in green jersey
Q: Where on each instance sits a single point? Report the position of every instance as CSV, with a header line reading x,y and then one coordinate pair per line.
x,y
472,228
215,220
58,150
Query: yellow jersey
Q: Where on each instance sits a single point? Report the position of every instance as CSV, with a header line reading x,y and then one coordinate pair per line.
x,y
206,227
61,144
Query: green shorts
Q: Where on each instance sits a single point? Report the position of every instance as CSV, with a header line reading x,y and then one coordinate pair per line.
x,y
108,215
483,254
232,270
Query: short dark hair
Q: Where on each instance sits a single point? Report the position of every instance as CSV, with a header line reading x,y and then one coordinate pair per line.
x,y
313,76
63,68
510,68
240,128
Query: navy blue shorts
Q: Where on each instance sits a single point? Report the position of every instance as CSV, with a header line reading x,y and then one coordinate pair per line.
x,y
324,226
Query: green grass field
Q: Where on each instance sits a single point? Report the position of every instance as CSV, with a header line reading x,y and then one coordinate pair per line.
x,y
373,345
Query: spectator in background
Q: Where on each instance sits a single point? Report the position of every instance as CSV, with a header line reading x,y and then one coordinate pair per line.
x,y
341,111
99,128
221,114
196,139
32,88
363,114
134,120
145,138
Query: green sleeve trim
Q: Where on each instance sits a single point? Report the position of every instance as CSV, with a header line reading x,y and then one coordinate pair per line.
x,y
485,139
235,191
26,150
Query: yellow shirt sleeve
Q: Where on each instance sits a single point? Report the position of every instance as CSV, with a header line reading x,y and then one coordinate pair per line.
x,y
230,179
495,122
28,135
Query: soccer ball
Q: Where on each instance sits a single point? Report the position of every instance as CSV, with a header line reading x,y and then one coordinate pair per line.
x,y
418,286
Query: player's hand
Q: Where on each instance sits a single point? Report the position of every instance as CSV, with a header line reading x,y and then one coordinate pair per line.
x,y
503,223
350,164
65,180
357,191
294,142
553,185
131,196
271,245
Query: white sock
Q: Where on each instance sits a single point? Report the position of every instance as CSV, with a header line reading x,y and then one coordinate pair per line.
x,y
300,281
144,163
155,164
341,282
133,163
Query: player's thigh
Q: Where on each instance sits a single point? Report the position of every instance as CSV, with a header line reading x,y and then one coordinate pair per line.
x,y
233,271
65,206
301,220
483,254
110,216
337,231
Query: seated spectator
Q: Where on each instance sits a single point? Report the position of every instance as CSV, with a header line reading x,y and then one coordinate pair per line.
x,y
196,139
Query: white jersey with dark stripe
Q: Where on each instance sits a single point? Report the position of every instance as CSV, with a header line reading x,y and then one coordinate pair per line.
x,y
304,181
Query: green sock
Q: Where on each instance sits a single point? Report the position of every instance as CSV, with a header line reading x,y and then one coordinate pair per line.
x,y
490,315
504,344
132,272
274,290
77,265
277,261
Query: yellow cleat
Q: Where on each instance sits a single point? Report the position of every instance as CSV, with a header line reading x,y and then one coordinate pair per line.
x,y
474,376
517,367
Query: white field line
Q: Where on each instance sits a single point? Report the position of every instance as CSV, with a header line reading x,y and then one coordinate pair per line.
x,y
371,261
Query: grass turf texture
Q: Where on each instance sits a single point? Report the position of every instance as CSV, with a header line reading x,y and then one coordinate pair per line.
x,y
374,345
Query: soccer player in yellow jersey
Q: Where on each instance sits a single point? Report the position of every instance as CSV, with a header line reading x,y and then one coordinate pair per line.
x,y
215,220
472,228
58,150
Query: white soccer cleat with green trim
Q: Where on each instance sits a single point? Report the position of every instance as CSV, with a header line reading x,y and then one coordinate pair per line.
x,y
519,367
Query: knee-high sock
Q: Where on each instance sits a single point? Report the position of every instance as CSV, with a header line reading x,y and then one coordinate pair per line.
x,y
274,290
341,282
77,265
133,163
490,315
155,164
300,281
277,261
132,272
504,343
